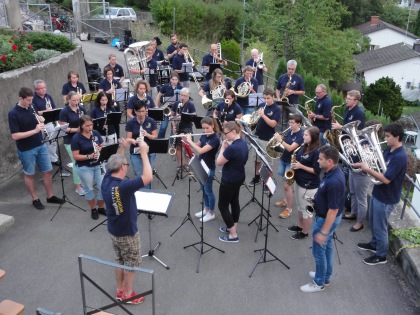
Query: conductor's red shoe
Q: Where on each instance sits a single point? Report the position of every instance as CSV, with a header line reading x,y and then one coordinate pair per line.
x,y
119,294
135,301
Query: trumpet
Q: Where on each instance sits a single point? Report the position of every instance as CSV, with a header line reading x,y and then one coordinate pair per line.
x,y
194,134
95,148
38,119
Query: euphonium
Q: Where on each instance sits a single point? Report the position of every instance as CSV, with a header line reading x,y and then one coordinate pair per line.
x,y
271,146
136,60
261,63
290,174
349,143
332,135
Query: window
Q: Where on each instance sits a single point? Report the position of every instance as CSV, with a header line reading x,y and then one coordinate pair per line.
x,y
407,85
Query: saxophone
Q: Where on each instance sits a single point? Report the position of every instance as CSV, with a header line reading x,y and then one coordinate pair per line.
x,y
284,97
333,135
290,174
309,111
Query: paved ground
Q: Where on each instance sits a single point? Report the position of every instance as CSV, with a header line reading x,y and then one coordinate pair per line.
x,y
40,257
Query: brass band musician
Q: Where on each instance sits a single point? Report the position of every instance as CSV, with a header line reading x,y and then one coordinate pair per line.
x,y
259,68
211,58
247,77
290,84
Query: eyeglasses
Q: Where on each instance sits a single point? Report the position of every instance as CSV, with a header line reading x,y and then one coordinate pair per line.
x,y
226,133
126,164
41,88
350,99
88,126
318,92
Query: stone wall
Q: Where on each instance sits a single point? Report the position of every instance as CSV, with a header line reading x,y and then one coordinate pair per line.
x,y
54,73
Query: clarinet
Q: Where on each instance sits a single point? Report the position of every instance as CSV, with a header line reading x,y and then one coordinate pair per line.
x,y
224,112
106,129
95,147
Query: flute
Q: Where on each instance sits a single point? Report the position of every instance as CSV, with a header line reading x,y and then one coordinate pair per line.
x,y
194,134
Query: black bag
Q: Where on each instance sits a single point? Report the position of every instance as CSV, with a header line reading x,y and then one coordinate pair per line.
x,y
101,40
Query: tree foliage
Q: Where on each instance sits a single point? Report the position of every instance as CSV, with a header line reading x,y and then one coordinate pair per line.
x,y
399,16
361,11
384,95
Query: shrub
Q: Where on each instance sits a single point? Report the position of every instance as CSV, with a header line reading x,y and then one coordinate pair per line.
x,y
50,41
231,51
44,54
15,51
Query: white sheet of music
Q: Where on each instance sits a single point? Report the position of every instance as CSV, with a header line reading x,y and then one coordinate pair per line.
x,y
153,202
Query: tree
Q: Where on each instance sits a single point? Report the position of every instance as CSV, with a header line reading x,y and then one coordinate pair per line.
x,y
399,16
384,95
416,28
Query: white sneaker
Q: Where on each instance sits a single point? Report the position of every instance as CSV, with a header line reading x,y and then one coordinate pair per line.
x,y
80,191
311,287
208,217
201,214
312,276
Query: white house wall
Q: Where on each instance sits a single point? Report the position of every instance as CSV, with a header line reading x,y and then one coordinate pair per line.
x,y
387,37
401,72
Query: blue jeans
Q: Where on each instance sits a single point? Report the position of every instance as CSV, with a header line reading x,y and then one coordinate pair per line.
x,y
208,194
378,221
323,254
89,175
137,163
36,156
163,126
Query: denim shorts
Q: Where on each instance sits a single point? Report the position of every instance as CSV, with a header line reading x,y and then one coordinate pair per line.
x,y
36,156
283,168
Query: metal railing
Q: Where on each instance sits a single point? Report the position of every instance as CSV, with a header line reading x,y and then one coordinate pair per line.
x,y
405,197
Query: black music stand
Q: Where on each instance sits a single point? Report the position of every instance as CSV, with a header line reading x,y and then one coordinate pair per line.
x,y
159,146
185,118
201,173
107,152
264,168
59,133
155,113
188,216
263,251
214,66
255,99
153,203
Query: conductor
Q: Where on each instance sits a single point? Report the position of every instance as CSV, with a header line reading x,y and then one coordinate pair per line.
x,y
121,212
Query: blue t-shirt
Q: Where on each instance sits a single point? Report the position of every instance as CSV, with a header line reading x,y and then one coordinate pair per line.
x,y
207,61
356,113
158,55
150,103
331,193
171,48
243,101
323,107
97,112
120,202
303,178
231,112
296,84
133,126
233,170
259,74
210,156
67,87
118,70
21,120
105,85
85,147
290,138
152,65
167,90
264,131
177,62
40,103
71,117
187,108
396,167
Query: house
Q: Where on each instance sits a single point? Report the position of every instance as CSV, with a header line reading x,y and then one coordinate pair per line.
x,y
383,34
414,4
400,61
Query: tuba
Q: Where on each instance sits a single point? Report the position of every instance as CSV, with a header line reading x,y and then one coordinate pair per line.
x,y
271,146
290,174
349,143
136,59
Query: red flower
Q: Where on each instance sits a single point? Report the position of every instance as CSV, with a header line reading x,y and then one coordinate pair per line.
x,y
29,47
14,47
3,58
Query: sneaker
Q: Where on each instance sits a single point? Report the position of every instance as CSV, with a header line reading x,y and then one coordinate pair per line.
x,y
312,276
223,229
286,213
294,228
94,214
227,239
366,246
38,204
80,191
56,163
119,294
311,287
299,236
200,214
55,199
135,301
375,260
208,217
101,211
254,181
281,203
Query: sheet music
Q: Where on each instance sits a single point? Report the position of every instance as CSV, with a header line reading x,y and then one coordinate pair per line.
x,y
271,185
204,165
153,202
59,130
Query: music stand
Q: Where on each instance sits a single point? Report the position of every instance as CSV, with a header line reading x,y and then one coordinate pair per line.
x,y
153,203
263,251
214,66
201,172
197,122
264,168
155,113
107,152
255,99
59,132
51,115
187,67
159,146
